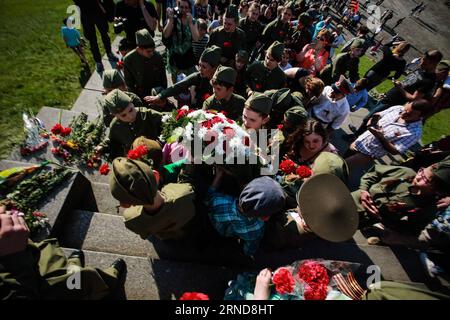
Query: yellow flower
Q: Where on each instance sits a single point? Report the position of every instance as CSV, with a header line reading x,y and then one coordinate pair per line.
x,y
72,145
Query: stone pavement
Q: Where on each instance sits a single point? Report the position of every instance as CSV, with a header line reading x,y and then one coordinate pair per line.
x,y
84,215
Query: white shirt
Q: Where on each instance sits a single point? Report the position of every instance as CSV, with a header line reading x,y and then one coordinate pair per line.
x,y
329,111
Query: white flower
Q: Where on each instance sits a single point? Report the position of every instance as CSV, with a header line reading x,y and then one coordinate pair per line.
x,y
219,149
202,133
185,108
189,131
165,118
235,143
178,131
161,138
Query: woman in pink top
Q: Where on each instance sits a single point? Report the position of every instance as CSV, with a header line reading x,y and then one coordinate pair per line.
x,y
314,57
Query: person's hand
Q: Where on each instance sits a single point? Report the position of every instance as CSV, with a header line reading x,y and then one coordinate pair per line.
x,y
152,99
189,18
169,13
367,203
398,84
376,132
262,285
443,203
13,233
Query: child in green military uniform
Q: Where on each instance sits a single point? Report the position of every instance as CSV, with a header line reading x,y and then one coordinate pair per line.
x,y
167,213
229,38
129,123
209,61
256,111
144,67
224,99
401,199
280,28
240,65
112,79
252,28
41,271
265,75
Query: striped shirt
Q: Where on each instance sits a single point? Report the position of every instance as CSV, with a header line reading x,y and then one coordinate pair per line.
x,y
401,135
200,45
229,222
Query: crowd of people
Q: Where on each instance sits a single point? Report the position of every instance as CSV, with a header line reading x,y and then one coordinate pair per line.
x,y
271,65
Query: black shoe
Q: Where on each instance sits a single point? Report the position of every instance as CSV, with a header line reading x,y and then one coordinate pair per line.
x,y
120,266
78,254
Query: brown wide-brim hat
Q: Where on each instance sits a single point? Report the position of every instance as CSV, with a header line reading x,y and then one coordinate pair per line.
x,y
132,182
328,208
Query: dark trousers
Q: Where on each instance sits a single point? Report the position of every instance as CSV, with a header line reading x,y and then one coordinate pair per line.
x,y
89,23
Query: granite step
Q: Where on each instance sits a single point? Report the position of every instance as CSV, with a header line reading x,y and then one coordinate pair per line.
x,y
154,279
107,233
105,202
62,200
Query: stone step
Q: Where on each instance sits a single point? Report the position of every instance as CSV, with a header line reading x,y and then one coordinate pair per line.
x,y
107,233
154,279
106,203
59,202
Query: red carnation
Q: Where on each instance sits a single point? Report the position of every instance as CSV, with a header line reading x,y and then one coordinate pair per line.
x,y
133,154
258,86
281,33
229,132
56,129
316,277
224,113
303,172
316,292
66,131
38,214
280,127
284,281
104,169
207,124
227,44
181,113
287,166
119,64
141,150
216,120
194,296
246,141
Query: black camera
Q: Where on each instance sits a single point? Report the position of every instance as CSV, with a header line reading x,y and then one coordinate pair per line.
x,y
120,24
176,13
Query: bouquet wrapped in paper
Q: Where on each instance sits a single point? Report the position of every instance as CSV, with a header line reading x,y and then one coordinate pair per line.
x,y
312,279
36,137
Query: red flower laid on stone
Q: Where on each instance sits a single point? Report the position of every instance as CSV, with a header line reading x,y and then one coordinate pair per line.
x,y
104,169
227,44
65,131
283,281
287,166
56,129
194,296
303,172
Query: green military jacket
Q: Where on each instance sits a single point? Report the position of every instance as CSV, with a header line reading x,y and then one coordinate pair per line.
x,y
203,88
253,31
172,221
259,78
229,42
107,116
233,107
122,134
275,31
42,271
390,187
143,74
342,64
